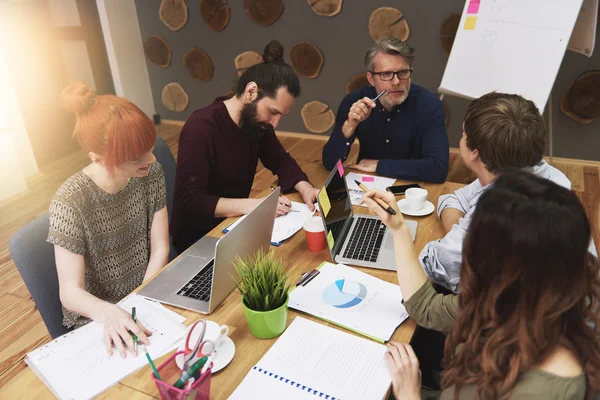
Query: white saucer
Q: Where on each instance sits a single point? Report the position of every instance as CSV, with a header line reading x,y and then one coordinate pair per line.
x,y
224,354
427,208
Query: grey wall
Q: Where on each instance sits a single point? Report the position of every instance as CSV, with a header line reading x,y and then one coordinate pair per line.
x,y
343,40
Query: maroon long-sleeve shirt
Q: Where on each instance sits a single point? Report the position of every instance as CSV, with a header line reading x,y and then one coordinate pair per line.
x,y
216,159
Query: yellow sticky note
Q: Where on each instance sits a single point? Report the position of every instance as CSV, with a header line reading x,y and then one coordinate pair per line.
x,y
330,240
324,201
470,23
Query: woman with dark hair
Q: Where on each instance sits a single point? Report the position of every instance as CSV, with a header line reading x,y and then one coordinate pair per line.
x,y
524,323
220,146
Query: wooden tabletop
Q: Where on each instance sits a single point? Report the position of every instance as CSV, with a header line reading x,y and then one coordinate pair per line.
x,y
249,349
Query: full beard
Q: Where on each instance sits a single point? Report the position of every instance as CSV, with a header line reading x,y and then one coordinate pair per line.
x,y
249,123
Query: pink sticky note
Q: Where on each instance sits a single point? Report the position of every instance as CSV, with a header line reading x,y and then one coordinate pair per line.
x,y
340,168
473,7
368,179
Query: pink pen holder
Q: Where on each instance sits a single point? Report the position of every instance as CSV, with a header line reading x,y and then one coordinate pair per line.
x,y
170,372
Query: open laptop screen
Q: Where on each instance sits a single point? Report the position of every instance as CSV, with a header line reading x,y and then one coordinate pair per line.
x,y
341,207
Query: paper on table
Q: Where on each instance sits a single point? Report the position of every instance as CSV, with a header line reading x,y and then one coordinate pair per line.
x,y
77,366
318,358
356,193
352,299
286,225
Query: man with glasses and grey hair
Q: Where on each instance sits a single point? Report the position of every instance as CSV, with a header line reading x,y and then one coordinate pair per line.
x,y
402,134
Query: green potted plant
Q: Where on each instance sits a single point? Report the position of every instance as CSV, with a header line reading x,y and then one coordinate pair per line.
x,y
264,286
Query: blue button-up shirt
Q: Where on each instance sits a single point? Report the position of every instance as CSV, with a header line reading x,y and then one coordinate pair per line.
x,y
409,141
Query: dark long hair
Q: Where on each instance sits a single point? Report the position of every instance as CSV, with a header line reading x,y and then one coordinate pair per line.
x,y
528,286
270,75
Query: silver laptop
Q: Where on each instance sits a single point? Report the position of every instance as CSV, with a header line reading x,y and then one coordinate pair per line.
x,y
361,240
201,277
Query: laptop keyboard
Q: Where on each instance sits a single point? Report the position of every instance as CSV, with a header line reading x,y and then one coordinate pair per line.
x,y
199,286
366,240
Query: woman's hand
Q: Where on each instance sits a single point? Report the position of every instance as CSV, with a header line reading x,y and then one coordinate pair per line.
x,y
117,327
404,371
393,222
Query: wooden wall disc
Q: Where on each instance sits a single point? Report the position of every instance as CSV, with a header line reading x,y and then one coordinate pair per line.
x,y
317,117
448,31
158,51
245,60
174,13
357,82
326,8
263,12
388,21
307,59
581,102
198,64
215,13
174,98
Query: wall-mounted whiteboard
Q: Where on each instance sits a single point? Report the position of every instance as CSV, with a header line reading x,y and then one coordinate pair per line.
x,y
511,46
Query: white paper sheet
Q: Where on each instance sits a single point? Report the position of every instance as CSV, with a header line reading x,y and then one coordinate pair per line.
x,y
286,225
352,299
317,358
77,366
372,182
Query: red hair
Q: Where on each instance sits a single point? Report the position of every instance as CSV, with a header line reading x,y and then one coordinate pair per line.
x,y
108,125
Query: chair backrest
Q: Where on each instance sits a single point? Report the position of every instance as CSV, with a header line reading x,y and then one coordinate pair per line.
x,y
34,258
165,158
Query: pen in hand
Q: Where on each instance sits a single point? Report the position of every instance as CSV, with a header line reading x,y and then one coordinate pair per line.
x,y
384,91
382,203
134,336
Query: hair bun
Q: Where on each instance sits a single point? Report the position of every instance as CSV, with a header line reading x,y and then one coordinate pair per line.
x,y
77,97
273,52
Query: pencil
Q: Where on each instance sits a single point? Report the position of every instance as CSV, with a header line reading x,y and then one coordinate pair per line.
x,y
156,374
382,203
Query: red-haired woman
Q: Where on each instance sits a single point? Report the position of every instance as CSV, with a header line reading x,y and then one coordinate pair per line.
x,y
108,222
525,323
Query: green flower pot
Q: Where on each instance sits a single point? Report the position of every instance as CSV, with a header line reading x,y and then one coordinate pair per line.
x,y
266,324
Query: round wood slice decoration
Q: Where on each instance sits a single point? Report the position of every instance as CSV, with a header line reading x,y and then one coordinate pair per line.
x,y
158,51
307,59
448,31
388,21
446,113
263,12
215,13
174,13
326,8
245,60
198,64
174,97
582,101
317,117
357,82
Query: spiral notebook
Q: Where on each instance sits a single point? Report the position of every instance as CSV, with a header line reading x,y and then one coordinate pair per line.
x,y
311,359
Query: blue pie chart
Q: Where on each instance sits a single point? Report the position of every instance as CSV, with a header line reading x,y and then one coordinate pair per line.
x,y
344,293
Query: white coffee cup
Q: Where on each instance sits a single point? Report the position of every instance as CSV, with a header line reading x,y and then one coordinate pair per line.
x,y
416,198
215,333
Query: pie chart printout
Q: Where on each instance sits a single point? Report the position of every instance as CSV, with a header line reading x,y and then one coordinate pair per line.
x,y
344,293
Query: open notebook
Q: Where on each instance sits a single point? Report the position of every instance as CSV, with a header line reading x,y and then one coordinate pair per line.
x,y
312,360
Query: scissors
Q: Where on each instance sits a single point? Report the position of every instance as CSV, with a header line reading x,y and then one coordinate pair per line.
x,y
202,347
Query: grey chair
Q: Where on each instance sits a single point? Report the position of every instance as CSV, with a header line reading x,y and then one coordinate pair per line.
x,y
34,258
165,158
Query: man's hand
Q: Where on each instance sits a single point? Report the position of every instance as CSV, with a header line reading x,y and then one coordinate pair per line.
x,y
365,166
309,193
359,112
284,205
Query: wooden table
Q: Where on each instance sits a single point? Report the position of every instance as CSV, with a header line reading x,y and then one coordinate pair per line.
x,y
249,349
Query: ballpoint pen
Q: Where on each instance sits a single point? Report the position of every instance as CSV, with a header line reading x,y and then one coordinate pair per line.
x,y
382,203
384,91
310,278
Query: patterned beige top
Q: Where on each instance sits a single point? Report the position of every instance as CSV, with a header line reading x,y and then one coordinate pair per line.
x,y
111,231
